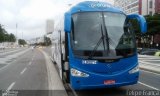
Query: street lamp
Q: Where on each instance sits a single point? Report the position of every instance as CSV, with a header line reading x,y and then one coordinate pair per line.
x,y
4,34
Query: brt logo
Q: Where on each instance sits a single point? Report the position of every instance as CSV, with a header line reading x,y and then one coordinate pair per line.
x,y
100,5
89,62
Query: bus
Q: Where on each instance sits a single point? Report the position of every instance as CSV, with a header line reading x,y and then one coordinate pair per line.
x,y
94,46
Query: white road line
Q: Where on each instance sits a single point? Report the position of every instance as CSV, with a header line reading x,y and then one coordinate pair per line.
x,y
150,72
146,60
149,86
30,63
32,58
149,63
23,70
11,86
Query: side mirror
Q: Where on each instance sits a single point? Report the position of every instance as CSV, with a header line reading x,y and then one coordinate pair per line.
x,y
67,22
141,20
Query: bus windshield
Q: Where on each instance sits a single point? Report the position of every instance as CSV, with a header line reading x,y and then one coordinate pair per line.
x,y
108,32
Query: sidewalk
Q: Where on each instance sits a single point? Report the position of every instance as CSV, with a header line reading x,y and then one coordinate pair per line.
x,y
145,65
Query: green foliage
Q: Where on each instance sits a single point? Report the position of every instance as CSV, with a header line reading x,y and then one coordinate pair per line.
x,y
153,24
153,28
47,41
21,42
136,27
5,37
12,38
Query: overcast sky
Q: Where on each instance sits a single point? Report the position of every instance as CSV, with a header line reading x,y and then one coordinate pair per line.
x,y
31,15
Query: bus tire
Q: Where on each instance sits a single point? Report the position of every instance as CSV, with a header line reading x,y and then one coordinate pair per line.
x,y
67,76
67,72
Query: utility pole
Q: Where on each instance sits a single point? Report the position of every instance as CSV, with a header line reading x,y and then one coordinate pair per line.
x,y
16,35
4,34
22,35
16,31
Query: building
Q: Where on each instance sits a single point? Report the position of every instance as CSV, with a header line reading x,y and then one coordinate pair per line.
x,y
128,6
49,26
147,7
157,6
143,7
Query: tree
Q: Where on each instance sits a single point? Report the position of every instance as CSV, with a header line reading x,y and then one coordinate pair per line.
x,y
153,28
47,41
12,38
21,42
1,33
153,23
5,37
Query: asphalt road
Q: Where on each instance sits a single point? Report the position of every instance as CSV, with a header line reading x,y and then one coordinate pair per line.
x,y
26,74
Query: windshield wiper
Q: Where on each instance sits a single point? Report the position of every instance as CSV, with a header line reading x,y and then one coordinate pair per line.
x,y
106,36
97,45
107,40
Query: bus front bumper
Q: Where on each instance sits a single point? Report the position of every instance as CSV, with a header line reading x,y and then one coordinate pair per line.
x,y
94,81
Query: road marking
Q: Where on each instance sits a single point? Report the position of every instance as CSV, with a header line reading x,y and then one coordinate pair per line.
x,y
30,63
32,58
149,86
23,70
11,86
146,63
13,61
150,72
8,89
149,60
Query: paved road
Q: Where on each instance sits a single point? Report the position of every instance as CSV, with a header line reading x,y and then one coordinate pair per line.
x,y
154,60
28,74
28,70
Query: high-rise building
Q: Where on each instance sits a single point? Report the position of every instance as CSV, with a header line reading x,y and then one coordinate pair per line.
x,y
157,6
143,7
49,26
147,7
128,6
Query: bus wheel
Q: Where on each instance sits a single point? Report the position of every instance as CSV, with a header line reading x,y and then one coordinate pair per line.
x,y
67,72
67,76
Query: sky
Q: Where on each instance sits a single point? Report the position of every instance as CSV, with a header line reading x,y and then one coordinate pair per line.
x,y
30,15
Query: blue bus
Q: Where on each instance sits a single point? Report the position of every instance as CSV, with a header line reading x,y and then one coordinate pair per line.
x,y
94,46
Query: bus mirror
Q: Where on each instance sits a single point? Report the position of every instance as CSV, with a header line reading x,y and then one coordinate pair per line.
x,y
67,22
141,20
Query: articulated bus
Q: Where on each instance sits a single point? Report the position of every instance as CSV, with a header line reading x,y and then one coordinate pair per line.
x,y
94,46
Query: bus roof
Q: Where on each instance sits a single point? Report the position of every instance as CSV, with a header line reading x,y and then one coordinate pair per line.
x,y
94,6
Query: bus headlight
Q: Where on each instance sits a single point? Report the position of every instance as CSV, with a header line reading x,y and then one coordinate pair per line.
x,y
134,70
78,73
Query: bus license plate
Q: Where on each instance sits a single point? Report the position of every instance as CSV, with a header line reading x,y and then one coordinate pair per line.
x,y
107,82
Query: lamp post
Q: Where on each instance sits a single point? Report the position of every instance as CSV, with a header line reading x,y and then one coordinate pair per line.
x,y
16,35
3,35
